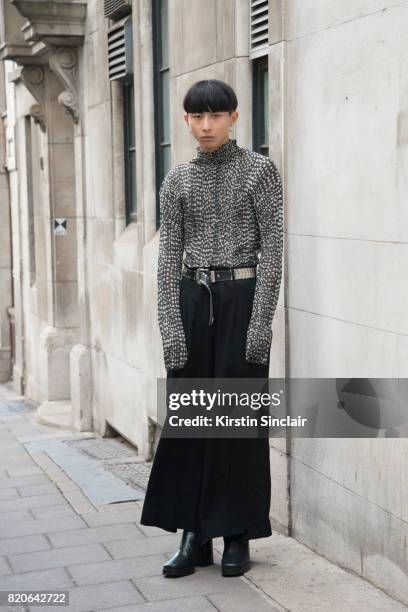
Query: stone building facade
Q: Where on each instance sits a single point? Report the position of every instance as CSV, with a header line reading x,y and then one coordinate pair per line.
x,y
90,95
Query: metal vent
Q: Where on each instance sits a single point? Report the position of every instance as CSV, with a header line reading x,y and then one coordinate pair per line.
x,y
120,51
104,449
134,474
115,9
259,28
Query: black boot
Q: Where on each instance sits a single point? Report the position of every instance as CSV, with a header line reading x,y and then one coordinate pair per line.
x,y
235,558
190,554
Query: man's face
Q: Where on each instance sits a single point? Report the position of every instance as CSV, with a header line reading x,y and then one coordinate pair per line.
x,y
211,130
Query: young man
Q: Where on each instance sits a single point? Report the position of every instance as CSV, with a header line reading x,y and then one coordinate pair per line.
x,y
215,309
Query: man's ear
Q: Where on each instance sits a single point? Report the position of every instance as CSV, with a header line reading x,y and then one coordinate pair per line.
x,y
234,116
186,118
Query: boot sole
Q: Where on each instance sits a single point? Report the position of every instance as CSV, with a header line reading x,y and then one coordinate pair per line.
x,y
175,572
237,570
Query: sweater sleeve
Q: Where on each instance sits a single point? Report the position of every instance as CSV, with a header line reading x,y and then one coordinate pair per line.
x,y
171,247
267,198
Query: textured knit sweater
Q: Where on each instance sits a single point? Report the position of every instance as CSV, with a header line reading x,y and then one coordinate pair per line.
x,y
223,208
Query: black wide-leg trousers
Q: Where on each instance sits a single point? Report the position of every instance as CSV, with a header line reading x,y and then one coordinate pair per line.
x,y
213,486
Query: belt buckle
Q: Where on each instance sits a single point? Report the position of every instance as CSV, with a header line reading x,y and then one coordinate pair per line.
x,y
201,273
207,272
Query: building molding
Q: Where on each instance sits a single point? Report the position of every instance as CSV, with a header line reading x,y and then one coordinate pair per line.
x,y
52,21
34,27
64,63
33,78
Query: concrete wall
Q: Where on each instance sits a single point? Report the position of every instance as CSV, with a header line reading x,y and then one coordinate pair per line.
x,y
124,342
347,259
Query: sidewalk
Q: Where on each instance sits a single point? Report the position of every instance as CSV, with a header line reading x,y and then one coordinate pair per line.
x,y
53,537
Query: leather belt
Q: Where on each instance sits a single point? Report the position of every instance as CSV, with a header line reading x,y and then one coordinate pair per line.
x,y
206,276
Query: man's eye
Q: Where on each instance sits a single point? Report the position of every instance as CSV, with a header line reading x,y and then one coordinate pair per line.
x,y
196,116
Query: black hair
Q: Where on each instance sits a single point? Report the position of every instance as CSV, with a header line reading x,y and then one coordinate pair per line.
x,y
210,95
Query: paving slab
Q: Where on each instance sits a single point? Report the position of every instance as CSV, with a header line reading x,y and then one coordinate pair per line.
x,y
34,490
111,517
35,581
185,604
93,573
88,598
22,462
242,602
139,547
24,544
23,481
8,494
52,511
41,526
94,534
204,581
24,471
60,557
38,501
15,517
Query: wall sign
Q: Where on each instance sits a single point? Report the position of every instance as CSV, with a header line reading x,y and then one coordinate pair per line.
x,y
60,227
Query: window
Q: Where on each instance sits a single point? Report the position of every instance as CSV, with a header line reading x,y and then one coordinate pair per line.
x,y
161,95
120,69
130,150
258,53
260,115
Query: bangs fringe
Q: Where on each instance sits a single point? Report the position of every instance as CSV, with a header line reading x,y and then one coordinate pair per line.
x,y
210,95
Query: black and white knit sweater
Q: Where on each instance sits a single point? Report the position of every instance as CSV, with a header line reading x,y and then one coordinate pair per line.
x,y
222,208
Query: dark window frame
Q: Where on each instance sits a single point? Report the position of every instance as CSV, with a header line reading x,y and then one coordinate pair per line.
x,y
260,114
129,149
159,70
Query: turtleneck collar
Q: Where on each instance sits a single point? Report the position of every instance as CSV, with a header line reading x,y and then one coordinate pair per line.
x,y
224,153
